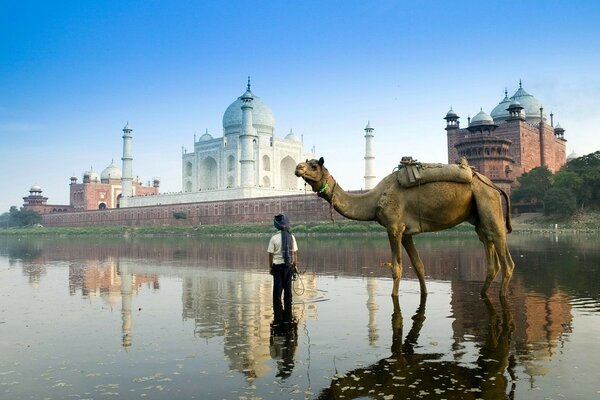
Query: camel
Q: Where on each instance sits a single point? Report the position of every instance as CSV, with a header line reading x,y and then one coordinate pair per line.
x,y
430,207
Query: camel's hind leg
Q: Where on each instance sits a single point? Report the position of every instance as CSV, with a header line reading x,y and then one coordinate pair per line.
x,y
493,265
498,256
395,237
411,250
505,259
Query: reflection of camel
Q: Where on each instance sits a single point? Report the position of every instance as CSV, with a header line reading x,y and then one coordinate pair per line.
x,y
428,207
409,375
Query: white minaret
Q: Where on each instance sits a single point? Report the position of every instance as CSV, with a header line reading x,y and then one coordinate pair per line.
x,y
369,158
247,137
127,176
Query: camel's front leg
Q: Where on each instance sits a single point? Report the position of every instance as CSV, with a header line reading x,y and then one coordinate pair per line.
x,y
395,237
409,246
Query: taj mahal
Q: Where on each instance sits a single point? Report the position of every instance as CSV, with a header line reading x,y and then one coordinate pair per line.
x,y
248,161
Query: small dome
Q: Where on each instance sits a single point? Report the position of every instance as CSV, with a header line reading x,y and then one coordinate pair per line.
x,y
93,175
572,156
205,137
451,113
111,172
36,189
481,118
261,114
292,137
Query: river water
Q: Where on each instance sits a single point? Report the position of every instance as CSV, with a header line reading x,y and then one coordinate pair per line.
x,y
191,318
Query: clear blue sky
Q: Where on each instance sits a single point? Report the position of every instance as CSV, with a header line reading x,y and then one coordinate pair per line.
x,y
72,73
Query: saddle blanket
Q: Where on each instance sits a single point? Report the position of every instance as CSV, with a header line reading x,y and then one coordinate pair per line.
x,y
413,173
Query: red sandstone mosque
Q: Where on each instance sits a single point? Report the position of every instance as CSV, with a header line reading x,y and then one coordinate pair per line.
x,y
513,139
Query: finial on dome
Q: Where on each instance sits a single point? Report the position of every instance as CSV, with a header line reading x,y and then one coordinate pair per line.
x,y
505,92
520,84
248,88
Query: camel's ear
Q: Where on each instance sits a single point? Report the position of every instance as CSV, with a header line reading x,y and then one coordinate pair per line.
x,y
321,161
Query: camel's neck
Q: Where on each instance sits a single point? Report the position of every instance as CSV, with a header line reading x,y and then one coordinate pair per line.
x,y
358,206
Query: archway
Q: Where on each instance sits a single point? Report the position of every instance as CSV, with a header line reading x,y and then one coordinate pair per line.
x,y
188,169
286,170
207,175
102,206
266,182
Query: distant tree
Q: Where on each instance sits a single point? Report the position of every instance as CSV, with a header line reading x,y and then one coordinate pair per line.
x,y
559,201
18,217
587,168
4,218
533,186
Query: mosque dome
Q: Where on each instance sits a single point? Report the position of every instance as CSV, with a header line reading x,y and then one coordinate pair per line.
x,y
110,172
572,156
500,112
531,105
261,113
36,189
481,118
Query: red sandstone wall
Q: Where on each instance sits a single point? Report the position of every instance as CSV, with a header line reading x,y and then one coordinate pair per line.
x,y
299,208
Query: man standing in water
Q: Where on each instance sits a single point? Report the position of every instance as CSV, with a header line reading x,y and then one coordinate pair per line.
x,y
283,262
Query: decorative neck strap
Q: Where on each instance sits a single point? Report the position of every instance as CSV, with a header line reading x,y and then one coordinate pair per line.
x,y
328,187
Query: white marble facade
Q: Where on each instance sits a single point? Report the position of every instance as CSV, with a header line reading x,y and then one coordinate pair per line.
x,y
247,155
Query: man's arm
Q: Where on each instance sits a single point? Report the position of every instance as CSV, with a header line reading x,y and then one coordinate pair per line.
x,y
295,261
271,263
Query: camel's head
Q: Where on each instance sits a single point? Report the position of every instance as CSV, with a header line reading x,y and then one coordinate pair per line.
x,y
315,174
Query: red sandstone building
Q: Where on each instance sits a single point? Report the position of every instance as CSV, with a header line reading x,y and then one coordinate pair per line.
x,y
96,192
515,138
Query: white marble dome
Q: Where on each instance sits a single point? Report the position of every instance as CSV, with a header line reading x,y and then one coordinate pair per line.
x,y
111,172
93,175
481,118
205,137
531,106
292,137
36,189
261,114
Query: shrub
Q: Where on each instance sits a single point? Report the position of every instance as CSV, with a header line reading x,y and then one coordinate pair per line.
x,y
559,201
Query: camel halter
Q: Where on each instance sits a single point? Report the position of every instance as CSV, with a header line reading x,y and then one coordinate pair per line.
x,y
324,189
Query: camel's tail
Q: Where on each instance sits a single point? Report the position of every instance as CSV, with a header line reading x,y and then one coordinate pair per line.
x,y
491,184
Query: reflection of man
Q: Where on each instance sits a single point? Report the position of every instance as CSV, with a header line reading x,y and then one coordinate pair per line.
x,y
283,261
283,341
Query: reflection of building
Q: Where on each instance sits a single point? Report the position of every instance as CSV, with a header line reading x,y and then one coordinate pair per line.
x,y
244,322
540,321
113,282
510,141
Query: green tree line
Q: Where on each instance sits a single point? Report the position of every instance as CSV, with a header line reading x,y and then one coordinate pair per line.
x,y
16,218
576,186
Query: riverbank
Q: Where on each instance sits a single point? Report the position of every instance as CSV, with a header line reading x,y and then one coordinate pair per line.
x,y
524,223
